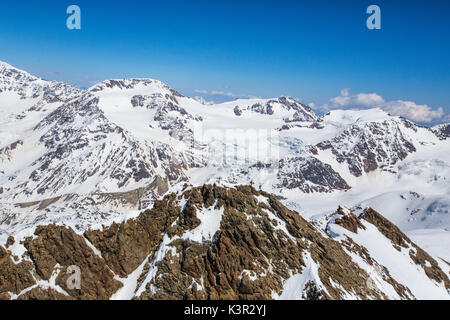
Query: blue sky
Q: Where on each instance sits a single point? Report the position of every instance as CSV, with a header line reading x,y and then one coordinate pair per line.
x,y
310,50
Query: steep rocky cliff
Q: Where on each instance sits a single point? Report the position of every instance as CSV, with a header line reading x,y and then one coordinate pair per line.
x,y
214,242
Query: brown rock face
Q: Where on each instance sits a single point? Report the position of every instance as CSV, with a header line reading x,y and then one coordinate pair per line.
x,y
386,227
5,296
249,244
398,239
10,241
59,246
125,246
348,221
14,277
207,242
43,294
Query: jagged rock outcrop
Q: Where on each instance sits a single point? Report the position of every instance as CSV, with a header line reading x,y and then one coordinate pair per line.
x,y
309,174
442,131
298,171
214,242
125,246
298,112
44,294
55,248
14,277
369,146
399,239
257,246
27,86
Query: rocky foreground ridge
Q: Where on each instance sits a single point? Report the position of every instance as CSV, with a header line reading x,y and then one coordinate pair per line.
x,y
214,242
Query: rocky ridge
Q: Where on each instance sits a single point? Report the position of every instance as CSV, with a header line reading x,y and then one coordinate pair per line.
x,y
214,242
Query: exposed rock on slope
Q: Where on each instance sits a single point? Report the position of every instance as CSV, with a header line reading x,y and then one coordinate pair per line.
x,y
398,238
13,80
214,242
42,272
258,246
309,175
60,247
14,277
298,111
442,131
78,133
369,146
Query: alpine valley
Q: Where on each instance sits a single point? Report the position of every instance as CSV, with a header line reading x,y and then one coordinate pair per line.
x,y
155,195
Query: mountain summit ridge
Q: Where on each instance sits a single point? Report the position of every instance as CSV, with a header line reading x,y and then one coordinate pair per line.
x,y
212,242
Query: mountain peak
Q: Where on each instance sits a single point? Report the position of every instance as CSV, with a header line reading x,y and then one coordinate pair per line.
x,y
4,64
128,83
351,116
8,71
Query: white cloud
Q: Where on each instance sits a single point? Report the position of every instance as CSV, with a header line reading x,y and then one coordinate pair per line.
x,y
359,100
413,111
203,100
407,109
223,93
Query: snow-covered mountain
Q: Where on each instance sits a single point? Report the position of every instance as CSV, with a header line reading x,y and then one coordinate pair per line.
x,y
87,158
